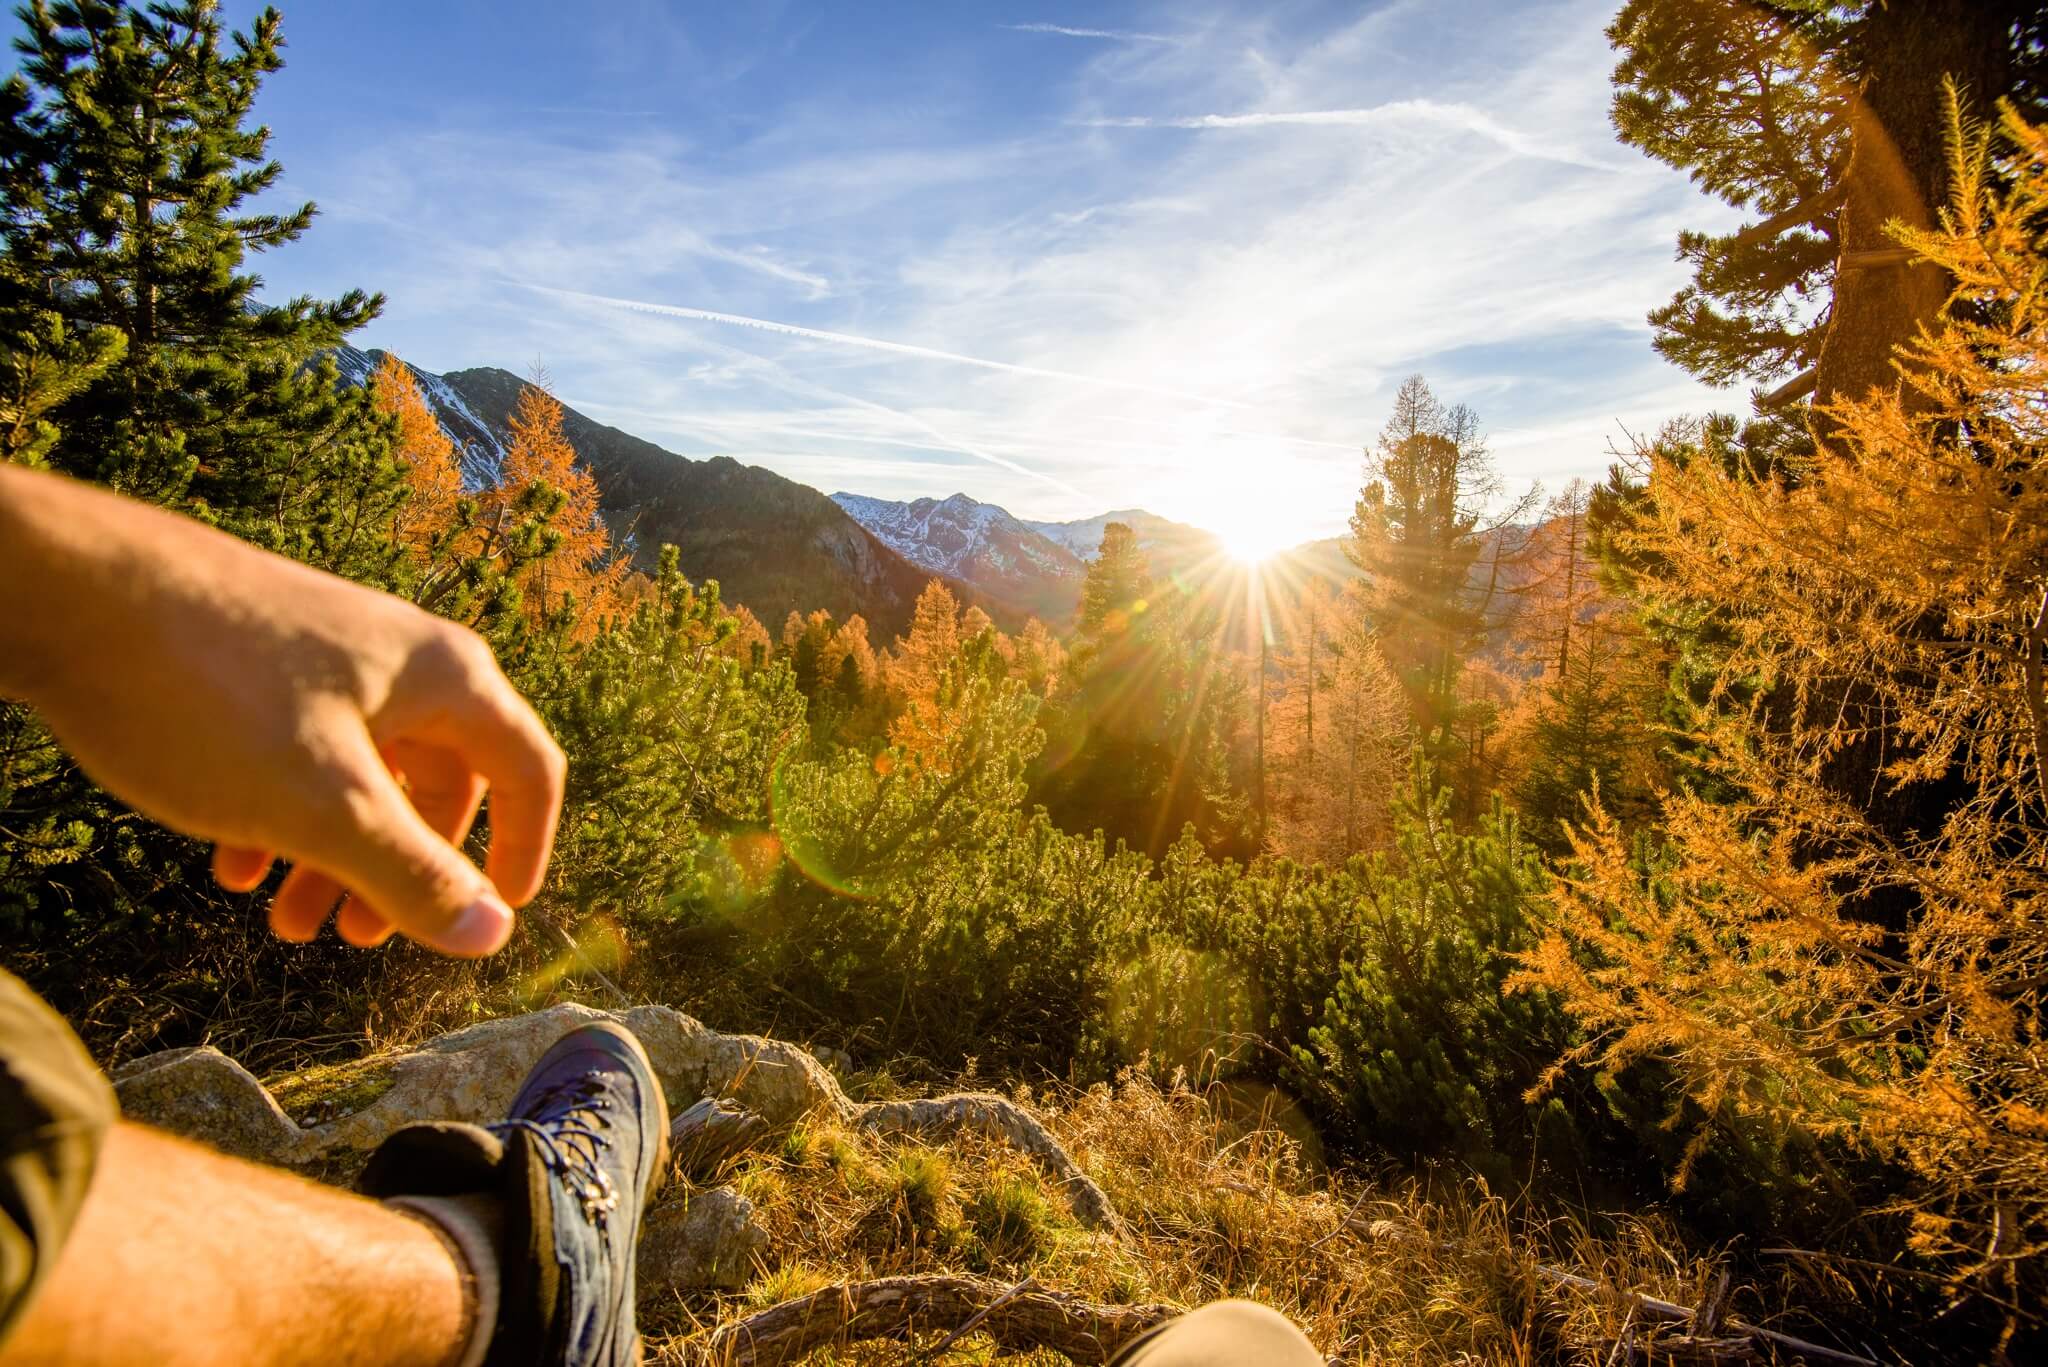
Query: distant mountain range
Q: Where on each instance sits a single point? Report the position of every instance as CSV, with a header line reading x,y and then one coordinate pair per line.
x,y
1164,542
779,546
1036,568
773,544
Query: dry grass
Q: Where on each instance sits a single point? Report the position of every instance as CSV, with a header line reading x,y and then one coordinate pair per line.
x,y
1373,1272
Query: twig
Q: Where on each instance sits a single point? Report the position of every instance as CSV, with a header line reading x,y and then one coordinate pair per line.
x,y
574,948
1624,1349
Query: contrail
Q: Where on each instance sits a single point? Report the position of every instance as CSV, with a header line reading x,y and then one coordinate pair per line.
x,y
878,344
1114,35
778,375
1449,115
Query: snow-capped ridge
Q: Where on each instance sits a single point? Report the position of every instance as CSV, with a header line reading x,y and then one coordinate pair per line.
x,y
978,543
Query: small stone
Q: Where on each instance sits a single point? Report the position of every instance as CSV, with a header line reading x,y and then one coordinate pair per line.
x,y
708,1241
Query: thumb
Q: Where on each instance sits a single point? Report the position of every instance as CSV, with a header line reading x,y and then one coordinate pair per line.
x,y
416,880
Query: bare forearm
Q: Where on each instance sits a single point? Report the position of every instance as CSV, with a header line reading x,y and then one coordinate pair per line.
x,y
60,554
78,566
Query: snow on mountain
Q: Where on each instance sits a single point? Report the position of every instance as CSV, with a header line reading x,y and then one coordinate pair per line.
x,y
1164,541
477,446
978,543
772,544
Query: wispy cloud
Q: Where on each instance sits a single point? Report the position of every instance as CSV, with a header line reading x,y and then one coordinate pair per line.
x,y
1029,298
1462,117
1107,34
879,344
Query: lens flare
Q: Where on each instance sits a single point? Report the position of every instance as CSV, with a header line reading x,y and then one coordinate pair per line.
x,y
796,797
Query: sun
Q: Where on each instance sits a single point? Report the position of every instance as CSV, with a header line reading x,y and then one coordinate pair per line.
x,y
1250,539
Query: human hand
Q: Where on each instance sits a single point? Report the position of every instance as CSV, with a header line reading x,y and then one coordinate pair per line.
x,y
279,712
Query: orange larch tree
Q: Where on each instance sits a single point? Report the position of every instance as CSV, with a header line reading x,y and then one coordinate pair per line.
x,y
918,670
573,568
433,477
1897,576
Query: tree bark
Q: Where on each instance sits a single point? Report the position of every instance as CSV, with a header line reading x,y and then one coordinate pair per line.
x,y
898,1307
1898,170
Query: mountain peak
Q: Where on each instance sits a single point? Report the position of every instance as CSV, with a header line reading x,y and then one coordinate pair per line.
x,y
773,544
979,543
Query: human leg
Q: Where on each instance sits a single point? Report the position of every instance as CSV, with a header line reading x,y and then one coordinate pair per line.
x,y
1224,1334
183,1255
517,1237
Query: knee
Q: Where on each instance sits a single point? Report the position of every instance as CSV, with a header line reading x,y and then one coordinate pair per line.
x,y
1229,1334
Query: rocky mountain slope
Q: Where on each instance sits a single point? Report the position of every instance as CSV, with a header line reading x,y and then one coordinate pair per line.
x,y
773,544
979,544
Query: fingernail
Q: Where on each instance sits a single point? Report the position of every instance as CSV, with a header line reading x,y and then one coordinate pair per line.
x,y
482,928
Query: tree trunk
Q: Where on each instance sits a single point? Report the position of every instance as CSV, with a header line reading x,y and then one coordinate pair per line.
x,y
1898,170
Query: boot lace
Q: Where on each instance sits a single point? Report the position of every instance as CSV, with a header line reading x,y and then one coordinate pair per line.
x,y
573,1140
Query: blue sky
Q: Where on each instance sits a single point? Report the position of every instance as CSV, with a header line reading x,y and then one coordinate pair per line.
x,y
1064,259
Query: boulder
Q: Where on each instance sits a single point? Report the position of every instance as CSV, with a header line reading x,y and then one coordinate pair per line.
x,y
204,1094
473,1074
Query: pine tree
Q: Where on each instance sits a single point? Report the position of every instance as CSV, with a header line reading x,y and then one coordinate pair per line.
x,y
1146,732
1587,718
126,160
1823,120
1114,592
1416,1048
42,365
137,353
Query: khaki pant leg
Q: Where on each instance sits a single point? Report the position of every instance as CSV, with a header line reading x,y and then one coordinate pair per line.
x,y
55,1108
1226,1334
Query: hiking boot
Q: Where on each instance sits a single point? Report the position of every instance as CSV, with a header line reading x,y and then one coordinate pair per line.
x,y
582,1152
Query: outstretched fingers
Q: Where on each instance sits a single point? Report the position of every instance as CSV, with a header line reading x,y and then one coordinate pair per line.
x,y
240,868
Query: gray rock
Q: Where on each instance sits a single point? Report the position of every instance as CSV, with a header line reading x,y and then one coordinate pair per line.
x,y
203,1094
473,1074
707,1241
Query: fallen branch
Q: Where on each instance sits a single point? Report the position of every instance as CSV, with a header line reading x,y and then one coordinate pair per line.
x,y
1672,1313
1015,1319
711,1131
